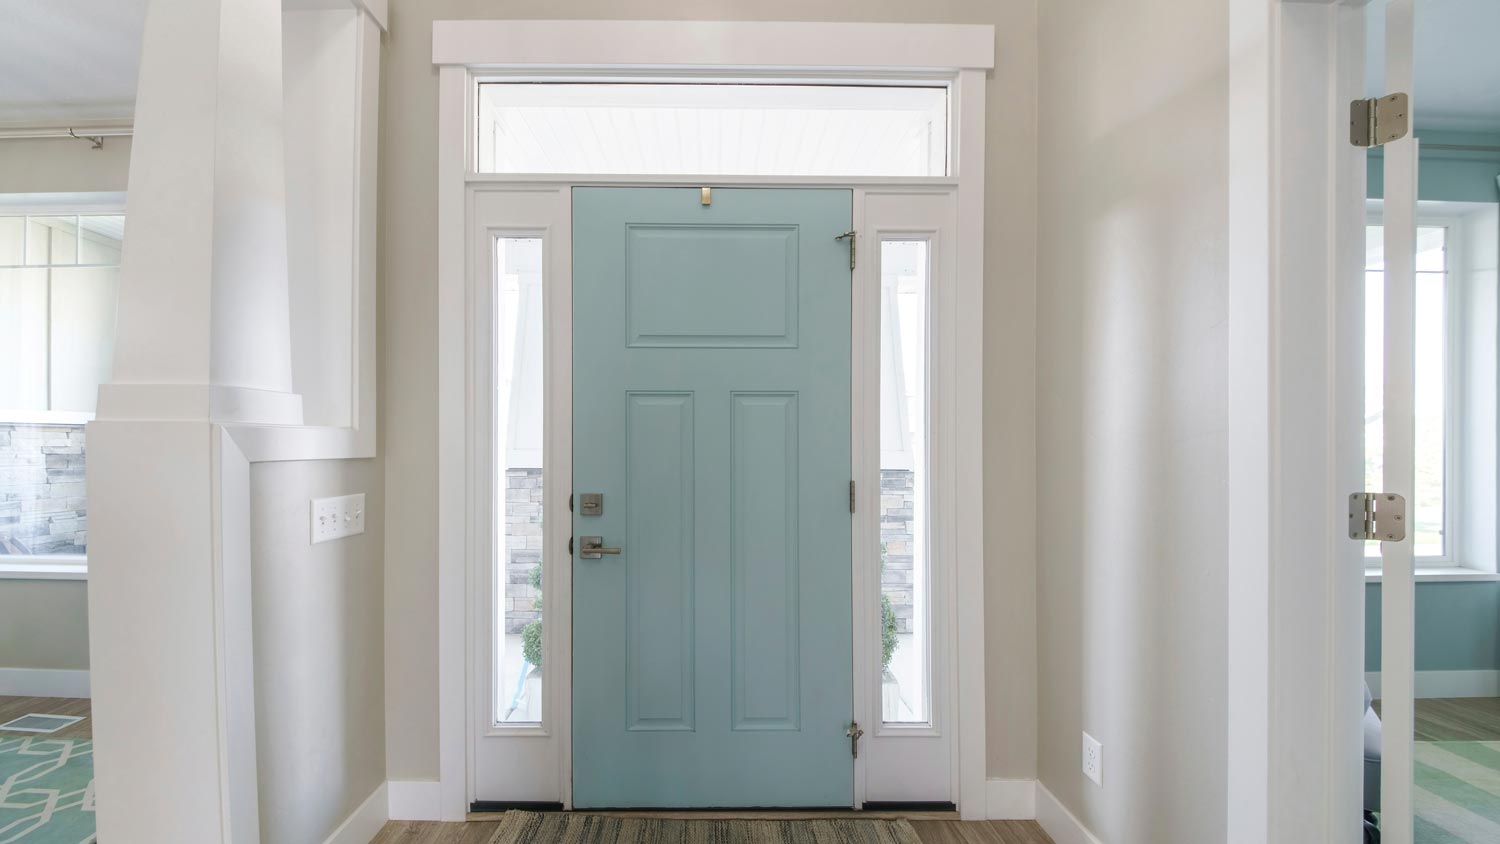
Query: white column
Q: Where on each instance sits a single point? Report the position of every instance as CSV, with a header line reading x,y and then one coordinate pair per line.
x,y
203,341
203,327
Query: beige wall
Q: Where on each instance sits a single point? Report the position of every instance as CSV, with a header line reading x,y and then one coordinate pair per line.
x,y
63,165
409,334
44,623
1132,411
319,658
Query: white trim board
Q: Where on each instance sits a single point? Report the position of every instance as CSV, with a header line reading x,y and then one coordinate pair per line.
x,y
1058,822
43,682
700,44
415,800
1430,684
366,821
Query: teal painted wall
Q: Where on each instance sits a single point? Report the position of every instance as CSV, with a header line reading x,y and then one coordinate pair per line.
x,y
1458,626
1445,175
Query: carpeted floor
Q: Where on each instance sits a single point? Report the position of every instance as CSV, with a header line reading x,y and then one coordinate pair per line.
x,y
46,790
563,828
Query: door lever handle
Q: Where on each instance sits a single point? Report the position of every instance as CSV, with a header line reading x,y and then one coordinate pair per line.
x,y
593,548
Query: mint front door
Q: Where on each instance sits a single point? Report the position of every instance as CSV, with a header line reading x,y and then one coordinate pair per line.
x,y
711,377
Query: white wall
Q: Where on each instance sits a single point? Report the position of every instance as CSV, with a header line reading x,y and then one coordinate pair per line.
x,y
409,344
63,165
319,655
1132,412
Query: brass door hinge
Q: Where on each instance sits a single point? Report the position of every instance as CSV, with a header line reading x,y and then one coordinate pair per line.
x,y
851,236
1379,120
1380,516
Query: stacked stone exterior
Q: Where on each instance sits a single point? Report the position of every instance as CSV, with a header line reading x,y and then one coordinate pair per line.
x,y
42,507
897,500
523,545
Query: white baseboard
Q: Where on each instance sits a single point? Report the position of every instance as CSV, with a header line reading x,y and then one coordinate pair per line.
x,y
415,800
43,682
1058,822
1010,800
366,822
1447,683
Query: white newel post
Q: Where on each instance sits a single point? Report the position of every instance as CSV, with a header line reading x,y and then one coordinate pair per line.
x,y
203,341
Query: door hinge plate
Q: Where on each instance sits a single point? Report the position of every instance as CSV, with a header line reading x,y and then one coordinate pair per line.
x,y
851,496
1379,120
1379,516
852,236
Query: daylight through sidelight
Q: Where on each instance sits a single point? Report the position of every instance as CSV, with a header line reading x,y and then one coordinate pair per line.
x,y
518,483
905,563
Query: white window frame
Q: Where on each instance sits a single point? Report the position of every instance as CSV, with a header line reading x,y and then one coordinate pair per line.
x,y
621,50
53,566
1455,563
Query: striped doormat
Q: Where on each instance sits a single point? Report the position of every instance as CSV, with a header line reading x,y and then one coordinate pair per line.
x,y
1458,792
575,828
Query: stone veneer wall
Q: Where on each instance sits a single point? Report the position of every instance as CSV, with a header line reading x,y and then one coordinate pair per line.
x,y
897,500
523,544
42,507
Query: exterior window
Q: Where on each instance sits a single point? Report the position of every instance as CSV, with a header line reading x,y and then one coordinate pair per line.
x,y
519,649
741,130
1432,507
905,562
58,288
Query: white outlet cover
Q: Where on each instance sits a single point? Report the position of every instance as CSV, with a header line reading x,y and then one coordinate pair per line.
x,y
336,518
1093,759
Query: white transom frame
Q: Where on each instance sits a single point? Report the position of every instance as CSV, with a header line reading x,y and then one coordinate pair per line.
x,y
955,55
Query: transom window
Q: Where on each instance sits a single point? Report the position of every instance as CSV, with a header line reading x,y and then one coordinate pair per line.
x,y
721,129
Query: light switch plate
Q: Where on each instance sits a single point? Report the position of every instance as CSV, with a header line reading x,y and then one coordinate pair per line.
x,y
336,518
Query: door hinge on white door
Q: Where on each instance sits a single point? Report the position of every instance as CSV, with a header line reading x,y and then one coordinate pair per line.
x,y
852,237
1378,120
1380,516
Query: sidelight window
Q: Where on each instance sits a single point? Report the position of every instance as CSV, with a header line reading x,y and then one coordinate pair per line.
x,y
905,556
519,583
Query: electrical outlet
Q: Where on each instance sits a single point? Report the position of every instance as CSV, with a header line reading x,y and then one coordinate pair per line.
x,y
335,518
1093,759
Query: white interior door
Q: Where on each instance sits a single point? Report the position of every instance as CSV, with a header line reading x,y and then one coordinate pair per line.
x,y
1398,476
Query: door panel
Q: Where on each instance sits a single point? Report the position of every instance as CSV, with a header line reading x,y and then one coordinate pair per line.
x,y
712,655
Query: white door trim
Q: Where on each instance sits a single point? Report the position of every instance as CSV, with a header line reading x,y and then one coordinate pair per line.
x,y
1295,596
962,54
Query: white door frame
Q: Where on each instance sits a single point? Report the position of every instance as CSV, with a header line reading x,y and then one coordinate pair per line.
x,y
1295,602
960,54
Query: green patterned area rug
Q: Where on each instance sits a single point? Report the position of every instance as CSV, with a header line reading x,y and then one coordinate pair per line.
x,y
46,790
1458,792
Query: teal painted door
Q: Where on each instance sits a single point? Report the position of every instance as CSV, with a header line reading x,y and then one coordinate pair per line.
x,y
711,657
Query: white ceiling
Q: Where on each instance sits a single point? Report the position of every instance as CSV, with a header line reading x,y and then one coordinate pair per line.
x,y
69,60
1457,63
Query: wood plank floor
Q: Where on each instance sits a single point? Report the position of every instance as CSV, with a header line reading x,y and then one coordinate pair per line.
x,y
1457,719
931,832
12,708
